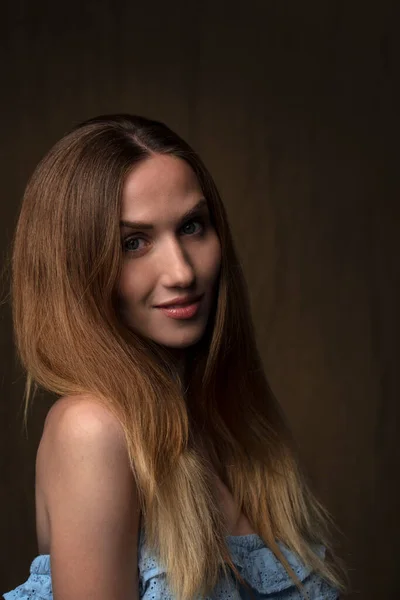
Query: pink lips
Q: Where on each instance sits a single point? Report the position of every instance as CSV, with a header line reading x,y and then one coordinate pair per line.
x,y
179,300
186,311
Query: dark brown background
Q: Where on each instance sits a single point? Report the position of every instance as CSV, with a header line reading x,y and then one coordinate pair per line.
x,y
294,108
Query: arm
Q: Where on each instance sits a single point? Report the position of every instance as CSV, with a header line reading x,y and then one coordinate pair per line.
x,y
92,503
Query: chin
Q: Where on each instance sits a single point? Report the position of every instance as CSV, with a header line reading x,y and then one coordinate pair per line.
x,y
178,345
185,340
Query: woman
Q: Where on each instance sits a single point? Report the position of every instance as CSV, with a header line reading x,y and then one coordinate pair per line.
x,y
165,468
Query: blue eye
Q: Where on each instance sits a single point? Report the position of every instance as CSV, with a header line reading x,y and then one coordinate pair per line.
x,y
132,239
191,223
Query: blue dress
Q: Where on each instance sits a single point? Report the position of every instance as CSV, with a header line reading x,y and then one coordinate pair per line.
x,y
254,560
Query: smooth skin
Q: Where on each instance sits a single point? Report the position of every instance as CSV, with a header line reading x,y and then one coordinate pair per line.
x,y
177,257
85,486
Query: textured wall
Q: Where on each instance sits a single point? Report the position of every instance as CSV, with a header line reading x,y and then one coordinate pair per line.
x,y
294,108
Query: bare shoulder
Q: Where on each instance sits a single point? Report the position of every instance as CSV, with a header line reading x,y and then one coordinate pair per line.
x,y
78,413
88,487
75,424
80,432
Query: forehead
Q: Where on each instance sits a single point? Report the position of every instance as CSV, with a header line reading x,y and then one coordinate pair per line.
x,y
158,185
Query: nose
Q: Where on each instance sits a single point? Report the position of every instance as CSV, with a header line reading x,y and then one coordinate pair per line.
x,y
176,267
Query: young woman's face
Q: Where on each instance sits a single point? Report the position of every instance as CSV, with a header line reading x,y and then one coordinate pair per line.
x,y
167,255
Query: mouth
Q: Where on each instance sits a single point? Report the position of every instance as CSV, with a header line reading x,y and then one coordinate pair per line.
x,y
181,311
181,302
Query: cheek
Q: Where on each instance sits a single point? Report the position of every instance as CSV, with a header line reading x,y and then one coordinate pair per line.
x,y
216,257
129,285
123,284
210,262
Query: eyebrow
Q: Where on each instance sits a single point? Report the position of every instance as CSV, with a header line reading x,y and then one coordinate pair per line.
x,y
143,225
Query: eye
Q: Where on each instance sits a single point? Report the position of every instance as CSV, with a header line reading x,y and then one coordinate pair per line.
x,y
130,242
190,223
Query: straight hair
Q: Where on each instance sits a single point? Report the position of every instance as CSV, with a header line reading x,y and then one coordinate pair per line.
x,y
71,340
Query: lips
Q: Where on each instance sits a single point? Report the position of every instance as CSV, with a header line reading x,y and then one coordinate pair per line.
x,y
180,302
183,311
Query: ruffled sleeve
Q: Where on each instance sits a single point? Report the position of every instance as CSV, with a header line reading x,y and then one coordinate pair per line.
x,y
267,576
38,585
257,565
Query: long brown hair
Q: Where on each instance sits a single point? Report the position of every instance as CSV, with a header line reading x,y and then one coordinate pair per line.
x,y
66,265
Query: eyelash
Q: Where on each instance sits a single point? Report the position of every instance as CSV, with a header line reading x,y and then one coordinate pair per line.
x,y
137,237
